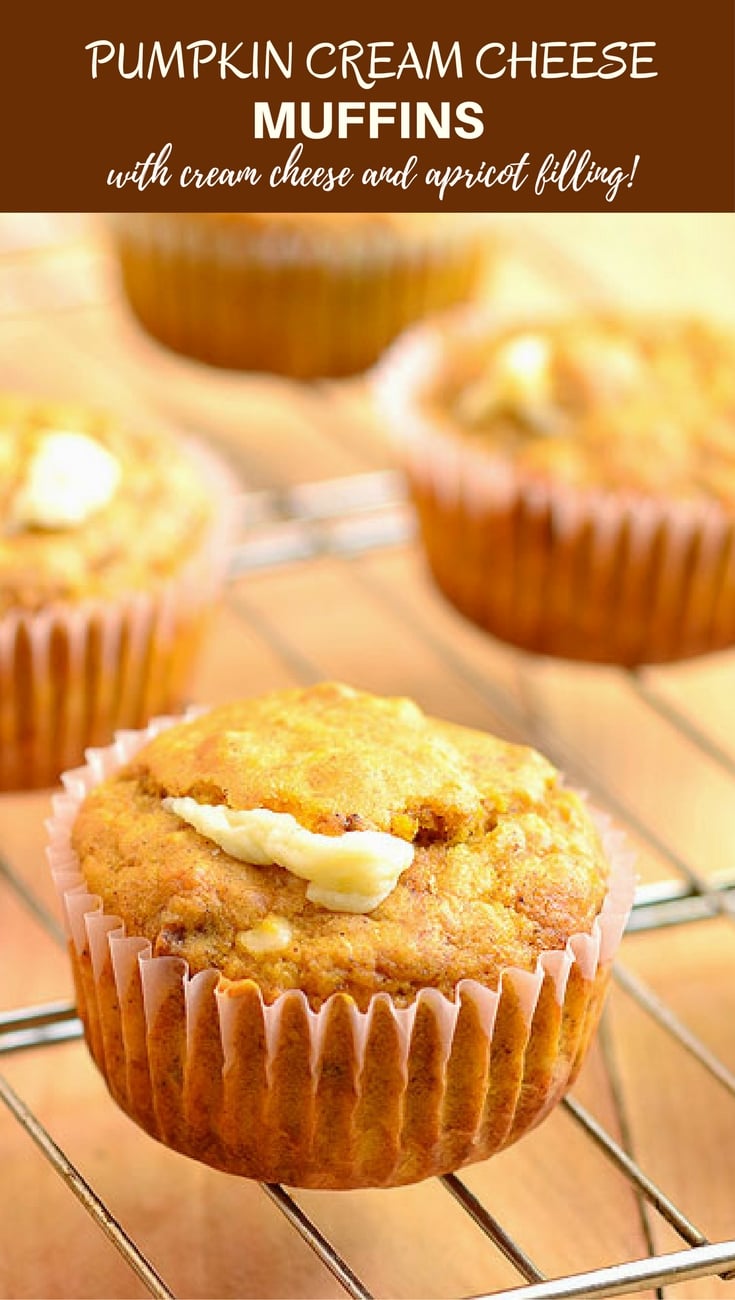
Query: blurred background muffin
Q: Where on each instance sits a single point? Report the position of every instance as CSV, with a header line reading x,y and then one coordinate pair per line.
x,y
575,478
299,294
112,550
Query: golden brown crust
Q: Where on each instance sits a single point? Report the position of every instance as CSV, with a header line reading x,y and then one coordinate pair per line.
x,y
507,863
154,521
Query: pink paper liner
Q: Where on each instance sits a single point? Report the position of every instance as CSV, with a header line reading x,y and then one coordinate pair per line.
x,y
596,574
72,674
292,298
336,1097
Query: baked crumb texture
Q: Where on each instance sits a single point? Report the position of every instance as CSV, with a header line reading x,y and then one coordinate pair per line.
x,y
298,294
374,1049
101,612
575,480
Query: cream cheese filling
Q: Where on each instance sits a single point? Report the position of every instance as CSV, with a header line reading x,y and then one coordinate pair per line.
x,y
70,477
523,369
272,934
353,872
519,378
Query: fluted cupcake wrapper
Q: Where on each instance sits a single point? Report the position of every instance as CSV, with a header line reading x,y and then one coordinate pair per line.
x,y
289,299
603,575
72,674
337,1097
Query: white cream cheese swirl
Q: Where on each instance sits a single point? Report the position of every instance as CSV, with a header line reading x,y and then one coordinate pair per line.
x,y
352,872
69,478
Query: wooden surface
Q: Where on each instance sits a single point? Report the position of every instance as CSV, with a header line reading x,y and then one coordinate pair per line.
x,y
373,619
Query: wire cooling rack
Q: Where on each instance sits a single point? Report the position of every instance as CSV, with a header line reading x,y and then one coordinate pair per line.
x,y
312,521
350,521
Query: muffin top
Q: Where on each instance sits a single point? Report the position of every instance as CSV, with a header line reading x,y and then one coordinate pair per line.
x,y
330,840
644,405
88,508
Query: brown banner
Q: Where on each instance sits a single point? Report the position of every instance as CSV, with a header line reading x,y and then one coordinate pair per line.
x,y
389,106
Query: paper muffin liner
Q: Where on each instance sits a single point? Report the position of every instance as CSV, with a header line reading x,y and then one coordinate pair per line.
x,y
334,1098
596,574
73,674
288,297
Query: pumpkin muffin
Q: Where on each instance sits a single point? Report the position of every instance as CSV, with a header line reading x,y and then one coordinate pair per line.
x,y
575,479
374,945
299,294
111,549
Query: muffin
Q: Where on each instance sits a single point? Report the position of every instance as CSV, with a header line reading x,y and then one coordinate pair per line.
x,y
321,938
299,294
112,547
575,479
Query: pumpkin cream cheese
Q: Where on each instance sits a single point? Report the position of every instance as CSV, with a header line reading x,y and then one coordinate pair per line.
x,y
486,858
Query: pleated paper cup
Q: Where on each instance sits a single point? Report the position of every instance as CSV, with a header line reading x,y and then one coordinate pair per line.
x,y
595,574
291,297
334,1098
74,673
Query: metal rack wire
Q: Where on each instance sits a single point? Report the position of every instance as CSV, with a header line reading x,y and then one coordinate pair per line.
x,y
346,519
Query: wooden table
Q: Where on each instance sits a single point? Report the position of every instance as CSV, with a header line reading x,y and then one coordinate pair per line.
x,y
333,586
